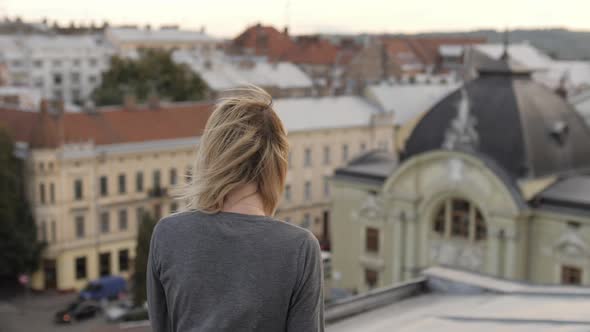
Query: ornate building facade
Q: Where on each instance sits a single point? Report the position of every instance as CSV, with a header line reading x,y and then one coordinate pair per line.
x,y
493,179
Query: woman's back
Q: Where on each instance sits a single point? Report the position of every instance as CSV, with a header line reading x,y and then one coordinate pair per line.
x,y
233,272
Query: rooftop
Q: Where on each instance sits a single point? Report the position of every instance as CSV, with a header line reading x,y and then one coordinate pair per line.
x,y
313,113
222,73
451,300
408,101
157,35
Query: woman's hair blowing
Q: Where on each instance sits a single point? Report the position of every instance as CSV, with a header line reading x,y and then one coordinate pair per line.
x,y
244,142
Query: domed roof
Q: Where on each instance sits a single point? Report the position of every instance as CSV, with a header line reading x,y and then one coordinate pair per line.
x,y
527,128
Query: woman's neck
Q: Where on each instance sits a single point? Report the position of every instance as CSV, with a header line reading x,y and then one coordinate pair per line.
x,y
244,200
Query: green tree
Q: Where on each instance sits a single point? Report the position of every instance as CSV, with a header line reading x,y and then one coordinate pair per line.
x,y
153,71
19,249
144,235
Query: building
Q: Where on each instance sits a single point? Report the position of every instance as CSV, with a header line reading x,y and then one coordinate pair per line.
x,y
573,76
66,68
221,72
129,39
443,299
493,179
325,133
91,175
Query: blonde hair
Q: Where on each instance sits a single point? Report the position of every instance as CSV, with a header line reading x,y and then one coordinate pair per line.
x,y
244,142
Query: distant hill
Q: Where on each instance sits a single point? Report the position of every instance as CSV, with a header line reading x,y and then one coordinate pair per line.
x,y
558,43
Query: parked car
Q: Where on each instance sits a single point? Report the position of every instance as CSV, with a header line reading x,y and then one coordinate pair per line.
x,y
115,311
78,310
111,287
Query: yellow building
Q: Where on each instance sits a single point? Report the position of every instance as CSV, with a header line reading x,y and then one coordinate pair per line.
x,y
91,175
493,179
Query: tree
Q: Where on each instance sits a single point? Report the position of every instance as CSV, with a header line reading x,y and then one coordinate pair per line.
x,y
19,249
153,72
144,235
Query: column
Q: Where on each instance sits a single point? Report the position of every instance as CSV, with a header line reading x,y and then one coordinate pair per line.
x,y
410,246
397,248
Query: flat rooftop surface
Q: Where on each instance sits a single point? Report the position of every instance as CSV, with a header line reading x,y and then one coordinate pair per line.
x,y
478,312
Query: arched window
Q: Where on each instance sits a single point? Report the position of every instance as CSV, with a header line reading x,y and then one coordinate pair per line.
x,y
459,218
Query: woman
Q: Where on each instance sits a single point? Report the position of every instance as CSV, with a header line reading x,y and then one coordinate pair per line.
x,y
226,264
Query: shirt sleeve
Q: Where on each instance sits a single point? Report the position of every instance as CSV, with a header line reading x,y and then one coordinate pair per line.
x,y
158,310
306,309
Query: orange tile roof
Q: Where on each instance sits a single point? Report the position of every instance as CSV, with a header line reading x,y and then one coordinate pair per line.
x,y
116,125
425,49
265,41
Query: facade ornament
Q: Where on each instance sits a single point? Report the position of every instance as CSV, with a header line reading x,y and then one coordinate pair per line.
x,y
570,244
461,134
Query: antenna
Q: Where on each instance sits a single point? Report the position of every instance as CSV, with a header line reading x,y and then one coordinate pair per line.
x,y
287,14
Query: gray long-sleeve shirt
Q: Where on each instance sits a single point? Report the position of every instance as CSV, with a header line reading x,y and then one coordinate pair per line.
x,y
233,272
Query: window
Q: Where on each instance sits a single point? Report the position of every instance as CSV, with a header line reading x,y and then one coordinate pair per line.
x,y
52,192
462,218
105,222
288,193
57,79
372,240
363,147
76,62
56,63
173,207
371,278
481,231
571,275
156,178
189,173
42,193
92,79
307,191
79,221
173,176
104,186
327,157
307,158
383,145
345,152
76,95
139,214
75,77
53,231
43,231
123,260
92,62
306,221
123,219
326,186
440,219
122,184
38,63
139,182
80,267
78,193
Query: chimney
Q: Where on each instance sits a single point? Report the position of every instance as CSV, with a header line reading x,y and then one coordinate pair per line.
x,y
129,102
286,31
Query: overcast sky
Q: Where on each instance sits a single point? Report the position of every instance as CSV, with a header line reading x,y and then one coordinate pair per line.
x,y
226,18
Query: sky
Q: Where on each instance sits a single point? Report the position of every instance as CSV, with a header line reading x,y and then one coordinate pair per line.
x,y
227,18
